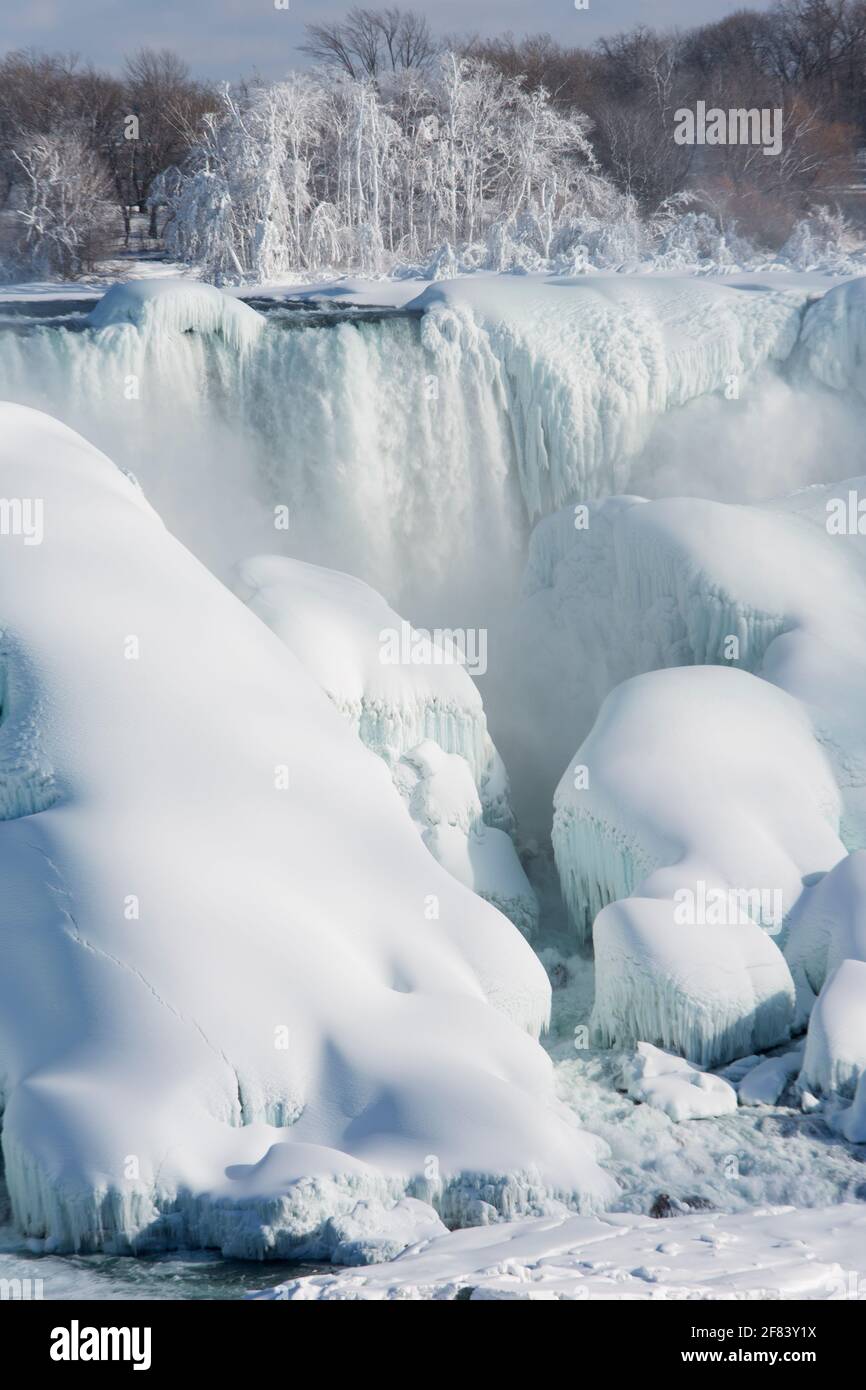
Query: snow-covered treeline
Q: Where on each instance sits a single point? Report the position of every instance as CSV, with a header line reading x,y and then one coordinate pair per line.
x,y
324,170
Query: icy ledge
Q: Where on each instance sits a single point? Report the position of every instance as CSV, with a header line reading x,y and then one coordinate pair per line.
x,y
226,1015
178,306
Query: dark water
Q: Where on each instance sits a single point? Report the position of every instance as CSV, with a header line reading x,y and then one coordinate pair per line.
x,y
193,1276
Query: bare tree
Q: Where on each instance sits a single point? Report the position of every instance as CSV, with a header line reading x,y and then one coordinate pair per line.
x,y
368,43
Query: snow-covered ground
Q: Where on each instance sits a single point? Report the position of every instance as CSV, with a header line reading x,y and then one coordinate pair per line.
x,y
762,1255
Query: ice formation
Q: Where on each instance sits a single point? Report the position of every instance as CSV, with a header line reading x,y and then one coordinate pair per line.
x,y
342,631
422,714
167,306
225,1018
764,1084
584,365
835,1057
700,800
828,926
673,1085
507,394
685,581
832,345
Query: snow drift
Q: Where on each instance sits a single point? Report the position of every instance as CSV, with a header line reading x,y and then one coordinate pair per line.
x,y
227,1015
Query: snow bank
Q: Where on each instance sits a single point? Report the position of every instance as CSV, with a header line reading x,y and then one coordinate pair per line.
x,y
703,793
227,1015
673,1085
178,306
776,1253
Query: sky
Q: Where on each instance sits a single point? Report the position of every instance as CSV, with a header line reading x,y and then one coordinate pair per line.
x,y
224,38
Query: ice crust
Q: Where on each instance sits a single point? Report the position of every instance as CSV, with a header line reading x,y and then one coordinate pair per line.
x,y
224,869
772,1253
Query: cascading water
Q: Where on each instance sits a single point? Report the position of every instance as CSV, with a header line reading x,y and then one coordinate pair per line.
x,y
416,449
392,467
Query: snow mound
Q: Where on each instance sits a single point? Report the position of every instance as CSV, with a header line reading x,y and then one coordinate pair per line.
x,y
683,581
583,366
396,685
421,713
225,1017
673,1085
710,993
178,306
775,1253
835,1056
764,1083
701,800
696,780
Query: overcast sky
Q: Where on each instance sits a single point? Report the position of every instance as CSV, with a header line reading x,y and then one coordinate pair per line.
x,y
222,38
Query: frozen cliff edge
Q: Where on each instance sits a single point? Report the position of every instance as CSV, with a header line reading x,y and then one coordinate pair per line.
x,y
224,1017
583,366
178,306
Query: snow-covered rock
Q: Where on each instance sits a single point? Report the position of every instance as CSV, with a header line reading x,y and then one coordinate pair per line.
x,y
828,926
710,993
225,1015
700,800
178,306
835,1056
423,715
764,1084
673,1085
396,685
684,581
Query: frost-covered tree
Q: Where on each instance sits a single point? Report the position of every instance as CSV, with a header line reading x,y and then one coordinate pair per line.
x,y
332,170
63,218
